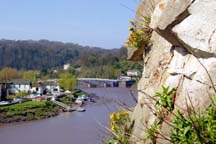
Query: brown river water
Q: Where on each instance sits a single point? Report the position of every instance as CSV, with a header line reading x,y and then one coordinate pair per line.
x,y
71,128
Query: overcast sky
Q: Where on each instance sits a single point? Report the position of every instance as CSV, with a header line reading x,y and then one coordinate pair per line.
x,y
101,23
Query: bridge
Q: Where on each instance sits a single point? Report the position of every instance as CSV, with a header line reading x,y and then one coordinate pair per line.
x,y
98,82
96,79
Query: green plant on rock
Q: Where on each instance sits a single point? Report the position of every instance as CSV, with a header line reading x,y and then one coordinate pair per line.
x,y
192,127
152,131
164,106
139,37
195,129
165,98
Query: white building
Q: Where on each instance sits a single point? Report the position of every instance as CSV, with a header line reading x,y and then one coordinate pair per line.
x,y
45,87
51,87
18,85
0,92
133,73
66,66
124,78
38,88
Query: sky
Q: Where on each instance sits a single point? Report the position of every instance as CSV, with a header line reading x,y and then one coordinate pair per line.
x,y
101,23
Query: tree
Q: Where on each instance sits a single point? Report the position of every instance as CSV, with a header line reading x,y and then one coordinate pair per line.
x,y
22,94
30,75
67,81
8,74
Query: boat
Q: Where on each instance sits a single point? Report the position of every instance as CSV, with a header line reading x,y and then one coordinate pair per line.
x,y
80,109
92,100
68,110
79,101
84,97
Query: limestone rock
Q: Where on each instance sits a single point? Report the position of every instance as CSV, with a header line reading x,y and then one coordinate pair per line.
x,y
153,75
167,11
202,70
178,61
135,54
145,8
189,67
198,31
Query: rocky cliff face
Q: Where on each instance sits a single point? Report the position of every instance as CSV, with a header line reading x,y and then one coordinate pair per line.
x,y
182,56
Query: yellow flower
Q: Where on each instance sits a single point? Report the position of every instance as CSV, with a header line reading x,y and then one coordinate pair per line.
x,y
141,31
112,115
112,126
125,113
135,43
118,116
131,36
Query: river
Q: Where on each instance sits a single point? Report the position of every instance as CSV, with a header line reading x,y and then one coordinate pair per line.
x,y
71,128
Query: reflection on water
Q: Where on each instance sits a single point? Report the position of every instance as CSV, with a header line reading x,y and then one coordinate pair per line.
x,y
70,128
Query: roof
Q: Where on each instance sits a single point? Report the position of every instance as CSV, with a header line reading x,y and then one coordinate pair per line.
x,y
49,83
133,71
21,81
44,83
38,84
5,82
16,81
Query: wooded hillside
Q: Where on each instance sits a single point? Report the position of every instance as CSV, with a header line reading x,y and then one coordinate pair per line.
x,y
46,54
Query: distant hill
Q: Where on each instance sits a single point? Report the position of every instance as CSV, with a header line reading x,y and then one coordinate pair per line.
x,y
37,55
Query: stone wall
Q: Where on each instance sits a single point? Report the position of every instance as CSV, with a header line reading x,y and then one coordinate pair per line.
x,y
182,56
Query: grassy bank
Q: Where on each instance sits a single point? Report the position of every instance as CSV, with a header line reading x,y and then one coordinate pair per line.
x,y
31,110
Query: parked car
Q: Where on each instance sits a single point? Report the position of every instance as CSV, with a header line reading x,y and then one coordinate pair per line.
x,y
4,102
17,99
35,95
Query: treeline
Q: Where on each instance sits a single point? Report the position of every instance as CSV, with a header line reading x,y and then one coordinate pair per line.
x,y
42,54
46,56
